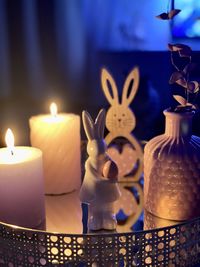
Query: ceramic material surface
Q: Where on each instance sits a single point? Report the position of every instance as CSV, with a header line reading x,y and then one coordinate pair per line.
x,y
99,191
172,170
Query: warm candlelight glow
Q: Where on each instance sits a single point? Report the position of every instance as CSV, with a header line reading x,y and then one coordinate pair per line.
x,y
53,109
10,140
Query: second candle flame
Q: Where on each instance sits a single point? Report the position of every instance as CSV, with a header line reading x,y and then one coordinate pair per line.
x,y
10,141
53,109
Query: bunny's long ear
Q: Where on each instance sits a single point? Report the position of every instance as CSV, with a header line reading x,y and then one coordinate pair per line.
x,y
106,80
88,125
128,95
100,124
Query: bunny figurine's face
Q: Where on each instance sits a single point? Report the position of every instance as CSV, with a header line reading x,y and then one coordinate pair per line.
x,y
120,119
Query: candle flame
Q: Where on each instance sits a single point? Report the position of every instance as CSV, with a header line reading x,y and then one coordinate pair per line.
x,y
53,109
10,140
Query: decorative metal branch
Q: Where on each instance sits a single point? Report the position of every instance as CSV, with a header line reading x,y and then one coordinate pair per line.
x,y
181,76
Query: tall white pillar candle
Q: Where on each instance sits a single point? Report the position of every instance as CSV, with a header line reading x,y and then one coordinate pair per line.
x,y
22,199
58,136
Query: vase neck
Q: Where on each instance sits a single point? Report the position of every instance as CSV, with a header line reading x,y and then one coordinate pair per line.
x,y
178,124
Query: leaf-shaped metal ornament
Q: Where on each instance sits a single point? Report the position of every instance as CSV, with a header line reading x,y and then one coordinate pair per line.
x,y
173,13
177,47
189,68
187,108
194,106
186,52
193,87
168,15
177,75
163,16
181,100
182,82
172,47
183,50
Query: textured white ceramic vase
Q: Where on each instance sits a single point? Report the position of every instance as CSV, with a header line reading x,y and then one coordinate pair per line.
x,y
172,170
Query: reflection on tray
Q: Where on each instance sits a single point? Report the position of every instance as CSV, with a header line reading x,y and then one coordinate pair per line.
x,y
151,221
64,213
129,207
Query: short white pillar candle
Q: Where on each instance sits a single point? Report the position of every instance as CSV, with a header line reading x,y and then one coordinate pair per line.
x,y
58,136
22,199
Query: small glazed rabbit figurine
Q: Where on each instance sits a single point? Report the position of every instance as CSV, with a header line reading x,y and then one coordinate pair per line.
x,y
120,119
99,189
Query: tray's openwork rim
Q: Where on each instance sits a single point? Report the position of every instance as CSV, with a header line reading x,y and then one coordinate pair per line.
x,y
101,233
176,245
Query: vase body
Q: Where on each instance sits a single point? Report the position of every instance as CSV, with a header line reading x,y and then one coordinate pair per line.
x,y
172,170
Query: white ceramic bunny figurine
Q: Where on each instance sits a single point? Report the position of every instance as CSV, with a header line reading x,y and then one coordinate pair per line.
x,y
120,119
99,189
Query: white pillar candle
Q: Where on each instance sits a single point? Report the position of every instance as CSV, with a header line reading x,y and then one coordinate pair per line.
x,y
58,136
22,199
